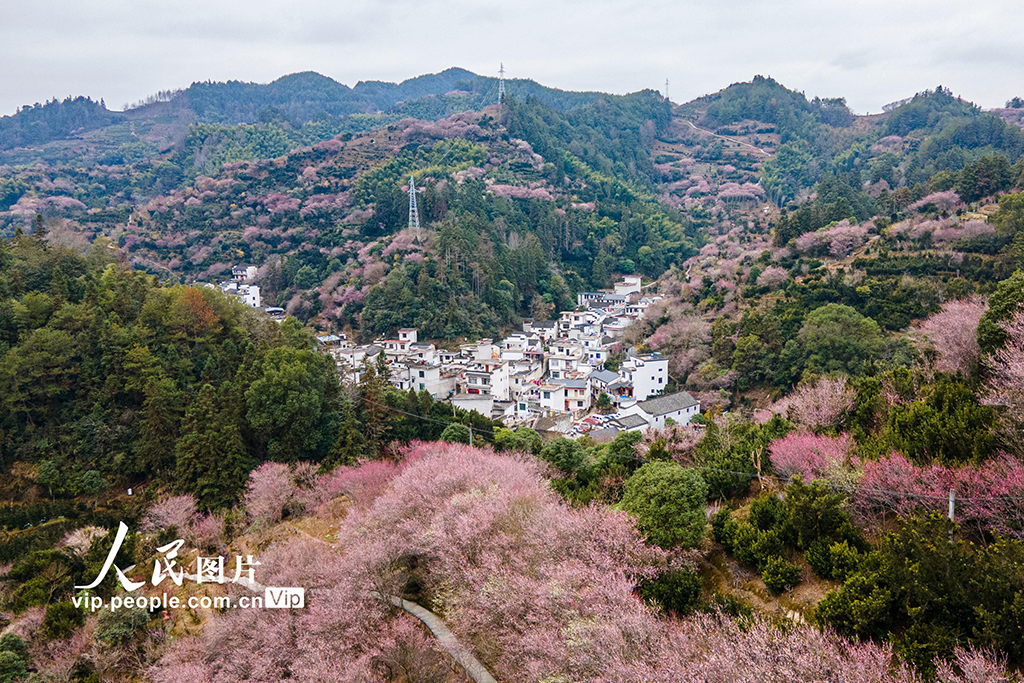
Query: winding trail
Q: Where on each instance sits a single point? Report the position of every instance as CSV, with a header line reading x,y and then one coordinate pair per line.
x,y
730,139
444,636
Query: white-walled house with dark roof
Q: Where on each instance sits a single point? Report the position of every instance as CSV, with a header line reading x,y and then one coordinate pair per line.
x,y
679,407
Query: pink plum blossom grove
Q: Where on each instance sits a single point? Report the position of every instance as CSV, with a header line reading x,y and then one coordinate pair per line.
x,y
537,590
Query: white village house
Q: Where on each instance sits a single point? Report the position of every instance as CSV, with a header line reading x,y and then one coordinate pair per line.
x,y
653,413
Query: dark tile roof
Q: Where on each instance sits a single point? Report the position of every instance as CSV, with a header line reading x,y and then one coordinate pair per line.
x,y
661,405
630,421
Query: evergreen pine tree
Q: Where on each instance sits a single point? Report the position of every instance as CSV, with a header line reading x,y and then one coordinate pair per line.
x,y
374,407
160,419
211,459
383,370
350,445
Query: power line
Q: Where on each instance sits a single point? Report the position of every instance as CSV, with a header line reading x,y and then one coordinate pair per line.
x,y
428,419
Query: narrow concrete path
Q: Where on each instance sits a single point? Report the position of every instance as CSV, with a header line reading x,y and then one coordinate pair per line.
x,y
459,652
445,637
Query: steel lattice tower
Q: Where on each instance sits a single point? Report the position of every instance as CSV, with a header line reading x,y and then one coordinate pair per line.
x,y
501,84
414,214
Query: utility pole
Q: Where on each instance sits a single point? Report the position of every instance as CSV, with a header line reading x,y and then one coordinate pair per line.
x,y
414,214
952,510
501,84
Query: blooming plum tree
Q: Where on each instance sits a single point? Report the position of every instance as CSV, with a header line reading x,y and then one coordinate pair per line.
x,y
953,333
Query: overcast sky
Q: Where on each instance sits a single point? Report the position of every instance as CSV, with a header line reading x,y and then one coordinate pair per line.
x,y
870,51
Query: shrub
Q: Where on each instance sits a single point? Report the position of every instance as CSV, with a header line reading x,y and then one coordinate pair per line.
x,y
819,557
42,576
768,512
844,560
730,605
948,426
933,591
573,492
816,512
121,627
61,620
455,433
780,574
568,456
91,483
676,591
723,528
744,539
754,548
522,439
12,667
668,501
12,642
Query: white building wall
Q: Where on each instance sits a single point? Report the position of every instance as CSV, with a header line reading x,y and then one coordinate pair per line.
x,y
648,375
500,385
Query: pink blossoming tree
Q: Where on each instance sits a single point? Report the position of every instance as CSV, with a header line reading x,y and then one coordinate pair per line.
x,y
953,333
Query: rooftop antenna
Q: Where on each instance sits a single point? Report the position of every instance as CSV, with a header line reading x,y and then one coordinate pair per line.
x,y
414,214
501,85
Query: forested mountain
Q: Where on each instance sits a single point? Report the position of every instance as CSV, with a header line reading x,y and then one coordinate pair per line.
x,y
508,232
296,100
109,377
308,96
522,205
54,120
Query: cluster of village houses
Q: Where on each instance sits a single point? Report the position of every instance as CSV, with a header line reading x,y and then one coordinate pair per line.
x,y
549,376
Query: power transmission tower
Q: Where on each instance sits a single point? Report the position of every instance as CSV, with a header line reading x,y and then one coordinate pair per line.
x,y
501,85
414,214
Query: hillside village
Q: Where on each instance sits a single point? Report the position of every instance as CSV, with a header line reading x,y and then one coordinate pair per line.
x,y
548,376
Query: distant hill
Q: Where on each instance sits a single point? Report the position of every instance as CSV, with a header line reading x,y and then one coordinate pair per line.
x,y
297,99
41,123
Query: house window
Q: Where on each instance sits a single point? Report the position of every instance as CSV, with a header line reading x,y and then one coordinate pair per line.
x,y
421,386
421,373
660,380
547,394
